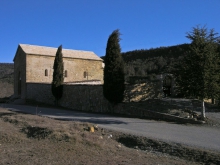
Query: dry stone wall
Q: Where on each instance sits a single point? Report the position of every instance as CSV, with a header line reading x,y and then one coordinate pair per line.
x,y
86,96
78,97
89,98
39,92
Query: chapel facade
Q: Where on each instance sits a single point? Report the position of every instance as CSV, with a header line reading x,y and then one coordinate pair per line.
x,y
34,64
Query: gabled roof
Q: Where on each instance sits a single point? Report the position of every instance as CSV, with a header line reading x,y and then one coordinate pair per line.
x,y
50,51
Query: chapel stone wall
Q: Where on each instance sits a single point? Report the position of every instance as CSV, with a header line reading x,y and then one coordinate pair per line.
x,y
76,69
36,66
82,70
20,75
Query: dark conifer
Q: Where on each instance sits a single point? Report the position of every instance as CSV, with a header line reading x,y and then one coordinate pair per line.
x,y
198,74
113,88
57,83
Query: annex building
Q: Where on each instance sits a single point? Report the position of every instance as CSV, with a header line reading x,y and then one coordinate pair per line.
x,y
34,64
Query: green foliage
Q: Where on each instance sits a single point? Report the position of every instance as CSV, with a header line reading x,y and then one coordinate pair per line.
x,y
153,61
145,62
142,79
165,52
7,73
113,87
197,75
57,83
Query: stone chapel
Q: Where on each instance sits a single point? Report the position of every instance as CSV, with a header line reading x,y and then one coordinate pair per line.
x,y
34,64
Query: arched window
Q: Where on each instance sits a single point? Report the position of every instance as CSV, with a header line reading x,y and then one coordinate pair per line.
x,y
65,73
46,72
85,74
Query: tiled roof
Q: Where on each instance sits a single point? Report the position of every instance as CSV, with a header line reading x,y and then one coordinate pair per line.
x,y
50,51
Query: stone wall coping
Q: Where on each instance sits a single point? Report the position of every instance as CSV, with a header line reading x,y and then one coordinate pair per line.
x,y
66,84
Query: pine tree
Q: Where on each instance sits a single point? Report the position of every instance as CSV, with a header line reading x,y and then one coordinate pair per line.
x,y
113,87
198,73
57,83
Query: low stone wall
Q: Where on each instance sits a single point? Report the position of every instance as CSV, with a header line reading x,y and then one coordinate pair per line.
x,y
90,98
39,92
84,98
78,97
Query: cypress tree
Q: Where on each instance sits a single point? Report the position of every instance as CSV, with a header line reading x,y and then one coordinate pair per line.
x,y
57,83
113,87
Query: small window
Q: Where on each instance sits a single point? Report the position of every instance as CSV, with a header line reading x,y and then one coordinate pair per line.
x,y
65,73
46,72
85,74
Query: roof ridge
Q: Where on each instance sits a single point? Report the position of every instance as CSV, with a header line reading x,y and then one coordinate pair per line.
x,y
71,53
57,48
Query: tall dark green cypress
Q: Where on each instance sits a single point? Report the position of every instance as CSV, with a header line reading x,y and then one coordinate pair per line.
x,y
57,83
113,87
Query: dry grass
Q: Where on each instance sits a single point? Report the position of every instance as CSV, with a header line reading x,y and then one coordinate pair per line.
x,y
31,139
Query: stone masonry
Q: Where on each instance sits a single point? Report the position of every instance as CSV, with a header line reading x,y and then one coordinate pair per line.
x,y
86,97
90,98
78,97
34,64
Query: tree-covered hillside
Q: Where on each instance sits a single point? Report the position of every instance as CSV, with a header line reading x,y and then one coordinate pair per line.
x,y
7,72
166,52
6,79
146,62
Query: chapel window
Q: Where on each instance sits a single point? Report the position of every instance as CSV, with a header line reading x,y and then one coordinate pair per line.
x,y
65,73
85,74
46,72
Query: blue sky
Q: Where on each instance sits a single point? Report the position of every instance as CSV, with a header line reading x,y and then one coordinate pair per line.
x,y
87,24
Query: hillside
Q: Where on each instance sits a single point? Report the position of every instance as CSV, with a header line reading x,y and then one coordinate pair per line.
x,y
149,62
165,52
153,61
6,79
